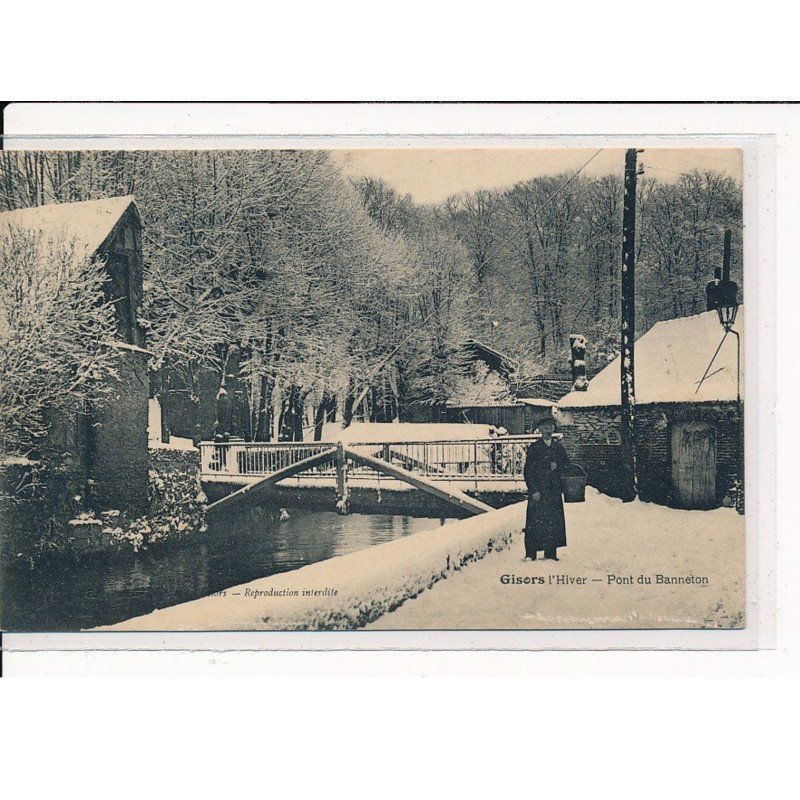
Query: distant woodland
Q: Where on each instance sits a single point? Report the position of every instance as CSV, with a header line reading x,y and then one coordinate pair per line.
x,y
344,292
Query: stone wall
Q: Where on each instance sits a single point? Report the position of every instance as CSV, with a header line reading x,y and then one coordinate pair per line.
x,y
166,459
177,503
592,439
120,459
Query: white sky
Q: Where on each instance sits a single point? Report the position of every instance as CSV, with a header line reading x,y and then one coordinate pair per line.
x,y
430,176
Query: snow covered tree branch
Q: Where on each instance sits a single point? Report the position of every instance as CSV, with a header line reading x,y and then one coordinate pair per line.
x,y
56,334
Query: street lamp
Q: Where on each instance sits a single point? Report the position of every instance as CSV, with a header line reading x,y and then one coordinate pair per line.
x,y
727,304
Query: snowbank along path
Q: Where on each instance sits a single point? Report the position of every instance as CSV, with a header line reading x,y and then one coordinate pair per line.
x,y
346,592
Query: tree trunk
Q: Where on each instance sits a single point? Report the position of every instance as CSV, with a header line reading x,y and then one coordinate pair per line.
x,y
320,415
163,398
299,415
264,416
291,426
372,395
597,283
284,431
197,431
347,411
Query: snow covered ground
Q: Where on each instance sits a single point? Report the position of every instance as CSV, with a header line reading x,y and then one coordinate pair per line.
x,y
452,577
605,538
175,443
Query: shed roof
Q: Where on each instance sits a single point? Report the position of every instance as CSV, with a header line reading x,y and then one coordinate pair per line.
x,y
538,402
497,360
498,404
670,360
88,223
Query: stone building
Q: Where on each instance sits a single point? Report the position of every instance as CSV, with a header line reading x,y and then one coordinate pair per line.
x,y
686,430
104,450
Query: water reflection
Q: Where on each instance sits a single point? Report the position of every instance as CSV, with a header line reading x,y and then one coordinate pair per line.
x,y
237,550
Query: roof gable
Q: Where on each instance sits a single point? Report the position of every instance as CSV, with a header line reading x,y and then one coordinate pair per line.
x,y
496,360
88,223
670,360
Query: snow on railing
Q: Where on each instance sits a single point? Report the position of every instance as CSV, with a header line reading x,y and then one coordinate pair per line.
x,y
498,458
256,458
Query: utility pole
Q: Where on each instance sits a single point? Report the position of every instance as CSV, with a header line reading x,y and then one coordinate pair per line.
x,y
628,328
730,297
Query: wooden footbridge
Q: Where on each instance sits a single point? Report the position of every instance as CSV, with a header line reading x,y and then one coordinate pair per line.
x,y
451,472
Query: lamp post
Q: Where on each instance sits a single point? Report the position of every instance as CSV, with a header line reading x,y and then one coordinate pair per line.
x,y
727,305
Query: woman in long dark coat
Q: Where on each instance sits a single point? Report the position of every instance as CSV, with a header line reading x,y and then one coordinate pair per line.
x,y
545,463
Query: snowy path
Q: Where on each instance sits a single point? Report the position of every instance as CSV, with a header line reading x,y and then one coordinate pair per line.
x,y
606,537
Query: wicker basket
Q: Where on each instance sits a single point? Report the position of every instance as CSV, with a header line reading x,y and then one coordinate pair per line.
x,y
574,484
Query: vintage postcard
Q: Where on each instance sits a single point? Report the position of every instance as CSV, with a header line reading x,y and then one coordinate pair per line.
x,y
396,389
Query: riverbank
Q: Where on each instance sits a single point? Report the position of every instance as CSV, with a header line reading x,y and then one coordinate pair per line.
x,y
345,592
104,590
58,527
628,565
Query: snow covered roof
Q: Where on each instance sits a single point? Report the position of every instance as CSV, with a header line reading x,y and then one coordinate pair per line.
x,y
539,402
493,358
479,404
88,223
670,360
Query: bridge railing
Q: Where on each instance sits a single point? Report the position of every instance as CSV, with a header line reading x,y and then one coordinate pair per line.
x,y
258,458
492,459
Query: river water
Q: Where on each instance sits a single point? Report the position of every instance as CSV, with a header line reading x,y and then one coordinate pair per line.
x,y
105,590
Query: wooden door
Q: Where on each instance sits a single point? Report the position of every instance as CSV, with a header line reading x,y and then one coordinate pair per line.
x,y
694,464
